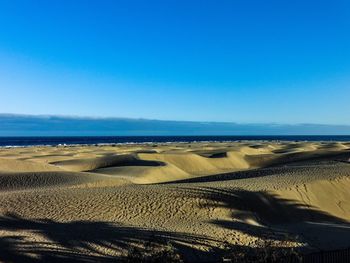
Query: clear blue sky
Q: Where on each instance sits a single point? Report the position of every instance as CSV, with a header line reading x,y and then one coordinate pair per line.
x,y
241,61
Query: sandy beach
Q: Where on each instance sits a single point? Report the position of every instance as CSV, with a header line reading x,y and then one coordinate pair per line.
x,y
98,203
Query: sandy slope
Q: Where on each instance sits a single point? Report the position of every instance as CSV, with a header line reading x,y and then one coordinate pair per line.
x,y
89,203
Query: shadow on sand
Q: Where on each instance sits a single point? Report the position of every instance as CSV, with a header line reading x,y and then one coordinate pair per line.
x,y
259,214
87,241
268,216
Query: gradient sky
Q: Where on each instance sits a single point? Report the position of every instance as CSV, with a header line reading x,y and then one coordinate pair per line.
x,y
241,61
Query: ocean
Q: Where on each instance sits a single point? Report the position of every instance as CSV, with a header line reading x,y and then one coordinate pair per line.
x,y
92,140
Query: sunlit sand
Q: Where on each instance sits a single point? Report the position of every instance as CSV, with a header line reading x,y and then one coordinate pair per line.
x,y
93,203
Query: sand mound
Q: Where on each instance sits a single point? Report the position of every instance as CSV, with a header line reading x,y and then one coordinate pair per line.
x,y
146,174
11,165
90,164
30,180
199,165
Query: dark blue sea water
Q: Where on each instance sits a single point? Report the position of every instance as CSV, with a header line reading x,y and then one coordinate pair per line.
x,y
77,140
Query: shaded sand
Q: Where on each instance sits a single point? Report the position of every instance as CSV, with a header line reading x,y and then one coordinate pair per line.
x,y
94,203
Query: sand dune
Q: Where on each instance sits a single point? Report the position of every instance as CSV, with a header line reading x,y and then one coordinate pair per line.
x,y
90,203
330,196
90,164
10,165
30,180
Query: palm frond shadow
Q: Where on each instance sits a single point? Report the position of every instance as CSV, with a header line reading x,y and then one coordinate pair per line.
x,y
266,215
82,241
259,214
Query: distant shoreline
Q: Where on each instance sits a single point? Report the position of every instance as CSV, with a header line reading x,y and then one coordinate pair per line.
x,y
30,141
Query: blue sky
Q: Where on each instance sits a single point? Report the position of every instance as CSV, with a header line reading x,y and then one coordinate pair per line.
x,y
239,61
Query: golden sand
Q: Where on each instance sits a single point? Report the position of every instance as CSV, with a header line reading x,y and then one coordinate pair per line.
x,y
92,203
